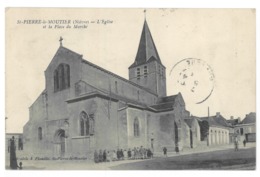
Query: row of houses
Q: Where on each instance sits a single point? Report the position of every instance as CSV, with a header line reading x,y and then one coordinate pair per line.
x,y
217,130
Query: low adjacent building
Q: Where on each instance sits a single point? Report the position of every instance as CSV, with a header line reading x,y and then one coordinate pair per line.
x,y
246,130
215,130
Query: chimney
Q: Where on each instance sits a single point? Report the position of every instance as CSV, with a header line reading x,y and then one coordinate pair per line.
x,y
239,119
231,117
217,114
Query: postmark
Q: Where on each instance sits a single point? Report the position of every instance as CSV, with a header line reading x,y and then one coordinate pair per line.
x,y
194,78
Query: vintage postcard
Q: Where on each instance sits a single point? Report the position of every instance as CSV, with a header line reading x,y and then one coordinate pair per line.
x,y
130,89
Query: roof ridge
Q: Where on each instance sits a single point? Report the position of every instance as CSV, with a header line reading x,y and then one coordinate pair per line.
x,y
120,77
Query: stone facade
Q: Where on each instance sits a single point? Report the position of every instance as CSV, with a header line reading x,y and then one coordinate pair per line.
x,y
85,108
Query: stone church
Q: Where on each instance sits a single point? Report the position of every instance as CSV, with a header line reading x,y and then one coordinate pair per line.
x,y
84,107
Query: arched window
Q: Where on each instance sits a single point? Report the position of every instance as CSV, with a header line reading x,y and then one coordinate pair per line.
x,y
82,122
67,76
40,133
86,124
56,80
91,124
136,128
62,77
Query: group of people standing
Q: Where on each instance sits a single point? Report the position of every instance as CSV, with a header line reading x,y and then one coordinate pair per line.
x,y
120,154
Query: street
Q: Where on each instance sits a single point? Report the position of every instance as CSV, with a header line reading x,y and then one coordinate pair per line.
x,y
225,159
222,159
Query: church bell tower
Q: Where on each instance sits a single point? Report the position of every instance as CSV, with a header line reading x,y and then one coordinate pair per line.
x,y
147,69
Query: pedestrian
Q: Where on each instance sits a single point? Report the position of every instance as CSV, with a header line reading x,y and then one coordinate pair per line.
x,y
20,144
165,151
149,153
96,156
121,154
236,144
114,157
244,142
104,156
100,156
118,154
129,153
133,154
108,156
9,145
176,148
13,160
20,167
125,154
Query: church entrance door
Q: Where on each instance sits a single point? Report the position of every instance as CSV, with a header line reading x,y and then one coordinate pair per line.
x,y
59,141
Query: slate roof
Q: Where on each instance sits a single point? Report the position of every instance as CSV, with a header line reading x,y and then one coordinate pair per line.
x,y
233,121
165,103
167,99
147,51
218,121
250,118
189,122
163,106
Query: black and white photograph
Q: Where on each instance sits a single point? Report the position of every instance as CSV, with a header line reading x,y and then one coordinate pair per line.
x,y
130,89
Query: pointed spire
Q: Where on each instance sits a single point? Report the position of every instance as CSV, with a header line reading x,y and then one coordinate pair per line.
x,y
146,50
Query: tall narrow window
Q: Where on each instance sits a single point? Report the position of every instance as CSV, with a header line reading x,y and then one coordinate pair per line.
x,y
56,81
86,124
67,76
145,71
138,73
61,77
91,124
40,133
82,122
136,127
138,94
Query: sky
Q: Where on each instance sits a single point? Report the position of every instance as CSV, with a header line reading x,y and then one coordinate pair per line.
x,y
224,39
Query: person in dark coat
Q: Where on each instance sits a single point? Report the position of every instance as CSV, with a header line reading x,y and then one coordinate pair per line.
x,y
129,153
244,142
121,154
104,156
20,166
118,154
96,156
100,156
13,160
165,151
176,148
